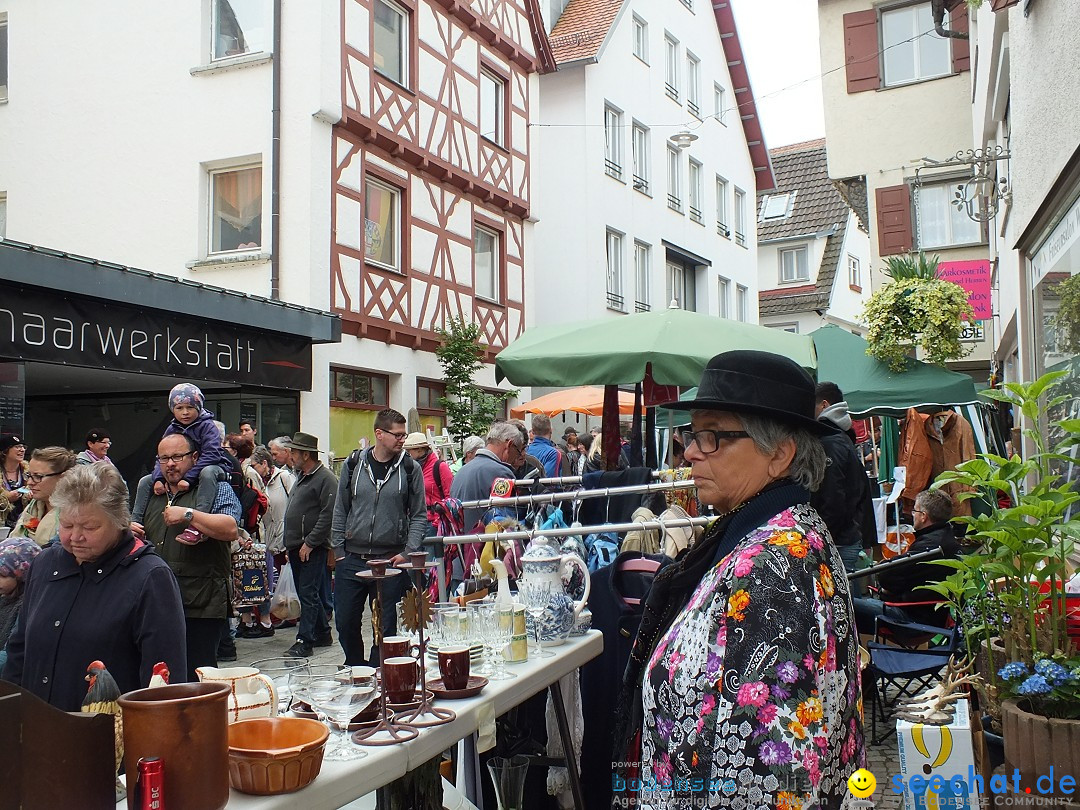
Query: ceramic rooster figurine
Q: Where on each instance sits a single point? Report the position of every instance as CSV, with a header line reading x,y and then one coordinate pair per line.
x,y
102,697
160,676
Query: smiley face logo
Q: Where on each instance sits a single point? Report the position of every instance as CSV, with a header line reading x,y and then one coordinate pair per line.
x,y
861,783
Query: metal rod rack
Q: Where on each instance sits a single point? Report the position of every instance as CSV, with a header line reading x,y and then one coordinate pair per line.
x,y
569,531
580,494
565,480
899,562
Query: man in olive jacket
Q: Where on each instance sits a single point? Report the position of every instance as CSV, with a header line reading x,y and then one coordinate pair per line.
x,y
307,539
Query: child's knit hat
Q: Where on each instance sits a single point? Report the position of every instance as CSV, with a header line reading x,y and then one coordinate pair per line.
x,y
186,394
16,556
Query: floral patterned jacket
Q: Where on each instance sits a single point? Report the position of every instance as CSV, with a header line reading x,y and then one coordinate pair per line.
x,y
752,698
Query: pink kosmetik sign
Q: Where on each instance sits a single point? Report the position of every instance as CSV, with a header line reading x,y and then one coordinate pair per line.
x,y
973,276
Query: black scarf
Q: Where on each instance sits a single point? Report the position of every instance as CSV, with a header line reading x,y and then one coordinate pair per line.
x,y
672,588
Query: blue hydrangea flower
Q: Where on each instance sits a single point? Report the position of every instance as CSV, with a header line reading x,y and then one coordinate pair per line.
x,y
1014,670
1034,685
1043,665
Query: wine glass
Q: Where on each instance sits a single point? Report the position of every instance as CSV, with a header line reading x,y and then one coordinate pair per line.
x,y
537,596
278,671
340,697
498,628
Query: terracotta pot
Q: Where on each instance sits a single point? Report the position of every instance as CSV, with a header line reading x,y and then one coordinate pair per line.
x,y
187,726
1035,744
271,755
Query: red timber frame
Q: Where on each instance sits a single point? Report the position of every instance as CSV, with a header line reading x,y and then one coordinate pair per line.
x,y
424,139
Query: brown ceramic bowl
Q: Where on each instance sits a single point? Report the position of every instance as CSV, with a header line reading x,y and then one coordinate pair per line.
x,y
270,755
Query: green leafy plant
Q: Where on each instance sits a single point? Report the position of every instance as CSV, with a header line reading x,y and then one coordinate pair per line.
x,y
470,409
916,309
1067,318
1051,688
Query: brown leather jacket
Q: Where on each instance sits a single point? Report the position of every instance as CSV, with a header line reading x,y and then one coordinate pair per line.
x,y
931,444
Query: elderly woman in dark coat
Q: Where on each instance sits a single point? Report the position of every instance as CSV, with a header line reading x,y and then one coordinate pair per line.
x,y
743,684
100,594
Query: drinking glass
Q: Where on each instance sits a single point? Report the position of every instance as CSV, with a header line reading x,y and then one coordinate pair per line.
x,y
475,635
536,594
340,697
499,628
278,671
301,678
508,776
437,628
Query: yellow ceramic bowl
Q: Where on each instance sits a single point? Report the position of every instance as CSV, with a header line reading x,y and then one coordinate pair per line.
x,y
270,755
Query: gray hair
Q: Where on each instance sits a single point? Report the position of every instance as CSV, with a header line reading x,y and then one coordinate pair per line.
x,y
221,428
98,484
260,454
937,504
808,466
471,445
281,442
501,432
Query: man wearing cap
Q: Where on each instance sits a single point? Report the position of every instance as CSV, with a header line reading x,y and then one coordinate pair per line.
x,y
98,443
380,514
307,539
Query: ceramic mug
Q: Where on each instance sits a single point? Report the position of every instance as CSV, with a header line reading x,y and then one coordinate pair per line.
x,y
396,647
399,678
454,667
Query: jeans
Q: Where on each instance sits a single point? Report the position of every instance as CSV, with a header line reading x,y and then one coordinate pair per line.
x,y
308,576
850,556
867,609
326,591
350,594
203,636
204,496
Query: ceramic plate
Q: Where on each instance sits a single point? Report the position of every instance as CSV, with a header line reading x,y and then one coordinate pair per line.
x,y
476,683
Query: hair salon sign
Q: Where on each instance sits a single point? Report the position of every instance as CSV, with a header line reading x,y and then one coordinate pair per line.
x,y
973,276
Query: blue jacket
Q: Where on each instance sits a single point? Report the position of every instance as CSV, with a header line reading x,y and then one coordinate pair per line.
x,y
207,438
547,454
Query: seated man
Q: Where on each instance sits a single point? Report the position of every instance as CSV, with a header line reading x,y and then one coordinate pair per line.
x,y
931,515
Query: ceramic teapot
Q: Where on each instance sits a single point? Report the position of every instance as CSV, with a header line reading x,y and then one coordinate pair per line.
x,y
544,561
252,693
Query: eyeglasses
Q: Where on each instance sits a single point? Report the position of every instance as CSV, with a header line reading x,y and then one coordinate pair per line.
x,y
709,440
176,458
918,511
37,478
394,433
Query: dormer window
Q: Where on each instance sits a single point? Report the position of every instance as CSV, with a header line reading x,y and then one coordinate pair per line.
x,y
776,206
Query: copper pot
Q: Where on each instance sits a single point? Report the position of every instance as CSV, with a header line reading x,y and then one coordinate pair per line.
x,y
185,724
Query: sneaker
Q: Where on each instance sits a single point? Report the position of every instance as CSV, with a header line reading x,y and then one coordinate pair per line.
x,y
247,631
260,631
324,641
190,537
301,649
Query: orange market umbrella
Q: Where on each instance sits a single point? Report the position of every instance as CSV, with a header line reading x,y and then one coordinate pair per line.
x,y
588,400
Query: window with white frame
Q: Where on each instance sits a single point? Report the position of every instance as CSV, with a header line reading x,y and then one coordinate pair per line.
x,y
240,26
776,206
693,84
487,263
391,41
942,224
641,39
740,217
694,182
3,216
493,107
671,67
674,179
723,297
794,264
854,272
682,285
235,209
719,102
742,303
615,297
722,226
641,158
382,224
912,51
3,56
613,136
642,276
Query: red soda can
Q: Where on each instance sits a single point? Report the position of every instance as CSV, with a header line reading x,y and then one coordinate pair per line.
x,y
150,784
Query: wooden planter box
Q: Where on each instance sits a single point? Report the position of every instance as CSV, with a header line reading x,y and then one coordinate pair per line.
x,y
1034,744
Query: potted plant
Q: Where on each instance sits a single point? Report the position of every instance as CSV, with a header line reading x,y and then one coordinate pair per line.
x,y
916,309
1020,570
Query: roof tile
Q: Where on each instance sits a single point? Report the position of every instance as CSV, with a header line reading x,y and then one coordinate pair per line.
x,y
582,29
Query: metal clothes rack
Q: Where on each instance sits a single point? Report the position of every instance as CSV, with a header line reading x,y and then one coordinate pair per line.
x,y
565,480
570,531
580,494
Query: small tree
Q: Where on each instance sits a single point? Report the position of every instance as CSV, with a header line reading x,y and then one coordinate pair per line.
x,y
470,409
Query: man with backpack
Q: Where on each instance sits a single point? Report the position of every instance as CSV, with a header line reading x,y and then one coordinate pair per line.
x,y
380,514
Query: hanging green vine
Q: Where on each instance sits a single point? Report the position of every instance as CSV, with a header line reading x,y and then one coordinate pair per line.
x,y
916,309
1067,318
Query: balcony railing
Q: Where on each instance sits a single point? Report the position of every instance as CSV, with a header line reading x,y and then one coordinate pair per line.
x,y
674,203
672,92
641,184
612,169
695,214
616,301
641,306
740,238
723,229
694,108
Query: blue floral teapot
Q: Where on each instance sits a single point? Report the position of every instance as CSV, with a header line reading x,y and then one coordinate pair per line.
x,y
544,561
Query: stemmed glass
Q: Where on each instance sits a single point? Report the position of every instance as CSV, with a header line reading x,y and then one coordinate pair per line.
x,y
338,695
498,629
537,596
278,670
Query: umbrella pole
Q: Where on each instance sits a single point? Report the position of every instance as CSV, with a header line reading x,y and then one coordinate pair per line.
x,y
610,437
671,439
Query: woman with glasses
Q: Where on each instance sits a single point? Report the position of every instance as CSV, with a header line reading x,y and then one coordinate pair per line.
x,y
743,679
98,443
39,521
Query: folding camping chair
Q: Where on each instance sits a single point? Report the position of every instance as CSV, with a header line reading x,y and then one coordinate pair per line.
x,y
903,669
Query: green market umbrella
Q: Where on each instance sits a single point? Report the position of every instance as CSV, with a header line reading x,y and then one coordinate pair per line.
x,y
615,351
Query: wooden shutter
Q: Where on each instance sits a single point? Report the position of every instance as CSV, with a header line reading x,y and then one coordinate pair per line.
x,y
895,234
961,48
861,51
998,5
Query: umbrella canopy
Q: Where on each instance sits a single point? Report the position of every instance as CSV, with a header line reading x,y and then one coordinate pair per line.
x,y
615,351
588,400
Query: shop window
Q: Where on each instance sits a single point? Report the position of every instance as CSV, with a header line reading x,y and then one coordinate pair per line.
x,y
942,224
382,224
493,107
487,263
359,388
391,41
236,209
240,26
794,264
428,395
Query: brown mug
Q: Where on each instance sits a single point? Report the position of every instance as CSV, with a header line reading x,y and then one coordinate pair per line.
x,y
396,647
378,567
399,678
417,558
454,667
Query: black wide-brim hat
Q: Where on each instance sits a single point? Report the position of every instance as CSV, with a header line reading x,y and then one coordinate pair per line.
x,y
763,383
